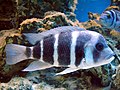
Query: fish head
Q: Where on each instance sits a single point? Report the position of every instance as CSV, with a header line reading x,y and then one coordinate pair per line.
x,y
97,52
106,19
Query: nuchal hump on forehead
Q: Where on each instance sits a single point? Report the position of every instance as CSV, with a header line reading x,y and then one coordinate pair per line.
x,y
66,46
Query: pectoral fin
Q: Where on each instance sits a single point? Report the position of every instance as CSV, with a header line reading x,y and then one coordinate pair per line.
x,y
68,70
37,65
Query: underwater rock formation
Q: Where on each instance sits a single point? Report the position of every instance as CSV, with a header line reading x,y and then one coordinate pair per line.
x,y
19,83
115,3
51,20
8,17
92,25
16,84
19,10
116,81
37,8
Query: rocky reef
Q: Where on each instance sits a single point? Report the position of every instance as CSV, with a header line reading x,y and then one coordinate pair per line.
x,y
41,15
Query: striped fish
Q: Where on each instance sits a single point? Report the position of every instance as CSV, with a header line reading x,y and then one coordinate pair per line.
x,y
111,19
65,46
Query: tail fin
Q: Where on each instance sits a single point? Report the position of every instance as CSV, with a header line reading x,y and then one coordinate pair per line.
x,y
15,53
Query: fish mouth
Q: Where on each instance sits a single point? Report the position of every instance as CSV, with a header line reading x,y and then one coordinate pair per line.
x,y
110,56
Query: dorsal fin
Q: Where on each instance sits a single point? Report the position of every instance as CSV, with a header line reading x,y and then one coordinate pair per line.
x,y
33,38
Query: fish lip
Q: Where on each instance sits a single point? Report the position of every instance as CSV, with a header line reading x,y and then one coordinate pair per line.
x,y
111,55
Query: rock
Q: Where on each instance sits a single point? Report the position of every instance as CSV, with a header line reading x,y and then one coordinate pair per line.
x,y
31,25
116,35
93,16
37,8
19,10
51,20
17,83
93,25
115,3
116,79
113,7
8,11
72,81
44,86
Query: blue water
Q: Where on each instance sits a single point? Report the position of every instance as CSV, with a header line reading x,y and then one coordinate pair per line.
x,y
85,6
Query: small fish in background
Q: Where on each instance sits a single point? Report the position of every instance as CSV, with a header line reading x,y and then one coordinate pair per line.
x,y
111,19
65,46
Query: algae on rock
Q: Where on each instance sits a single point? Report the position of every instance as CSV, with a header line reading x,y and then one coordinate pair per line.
x,y
51,20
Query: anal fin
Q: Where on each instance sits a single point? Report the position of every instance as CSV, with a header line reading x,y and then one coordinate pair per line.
x,y
37,65
68,70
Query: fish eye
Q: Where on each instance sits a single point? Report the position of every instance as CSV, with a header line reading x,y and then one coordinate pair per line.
x,y
108,16
99,46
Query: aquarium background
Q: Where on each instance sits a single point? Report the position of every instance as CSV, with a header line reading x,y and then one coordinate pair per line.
x,y
35,16
85,6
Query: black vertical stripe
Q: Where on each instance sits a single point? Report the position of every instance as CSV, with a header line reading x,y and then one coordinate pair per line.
x,y
48,49
79,49
28,52
113,16
96,55
64,44
79,55
115,19
37,51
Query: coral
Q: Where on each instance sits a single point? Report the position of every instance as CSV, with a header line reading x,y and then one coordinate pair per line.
x,y
17,84
31,25
115,3
93,16
17,11
8,11
116,80
24,84
51,20
113,7
93,25
37,8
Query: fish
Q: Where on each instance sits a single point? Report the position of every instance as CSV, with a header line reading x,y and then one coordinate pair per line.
x,y
67,46
110,19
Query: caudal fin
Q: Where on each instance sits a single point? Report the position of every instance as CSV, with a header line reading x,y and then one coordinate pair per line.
x,y
15,53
